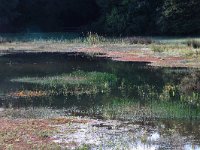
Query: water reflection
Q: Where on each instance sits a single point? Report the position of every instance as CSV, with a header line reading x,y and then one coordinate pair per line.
x,y
88,86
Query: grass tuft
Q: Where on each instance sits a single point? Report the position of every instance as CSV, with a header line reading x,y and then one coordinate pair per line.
x,y
93,38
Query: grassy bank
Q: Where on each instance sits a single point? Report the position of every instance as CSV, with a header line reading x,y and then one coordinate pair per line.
x,y
157,50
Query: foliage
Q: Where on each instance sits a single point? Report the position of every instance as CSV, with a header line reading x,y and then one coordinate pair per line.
x,y
138,40
110,17
180,17
193,43
93,38
128,17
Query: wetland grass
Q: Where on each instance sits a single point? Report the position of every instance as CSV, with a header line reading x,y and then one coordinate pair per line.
x,y
75,83
124,109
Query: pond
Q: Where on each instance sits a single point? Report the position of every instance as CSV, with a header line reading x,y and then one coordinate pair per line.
x,y
155,108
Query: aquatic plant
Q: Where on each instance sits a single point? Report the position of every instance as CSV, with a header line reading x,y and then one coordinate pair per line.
x,y
75,83
130,109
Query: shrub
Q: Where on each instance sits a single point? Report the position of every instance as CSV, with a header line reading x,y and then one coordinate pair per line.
x,y
193,43
138,40
4,40
93,38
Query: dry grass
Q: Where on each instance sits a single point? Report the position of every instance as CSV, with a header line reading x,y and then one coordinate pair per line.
x,y
176,50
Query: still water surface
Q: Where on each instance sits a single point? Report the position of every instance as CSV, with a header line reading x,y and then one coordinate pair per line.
x,y
161,105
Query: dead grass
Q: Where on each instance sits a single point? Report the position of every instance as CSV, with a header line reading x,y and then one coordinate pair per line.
x,y
176,50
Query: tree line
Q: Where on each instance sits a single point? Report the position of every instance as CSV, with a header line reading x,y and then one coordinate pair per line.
x,y
111,17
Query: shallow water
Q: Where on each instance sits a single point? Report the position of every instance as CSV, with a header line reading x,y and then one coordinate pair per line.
x,y
161,105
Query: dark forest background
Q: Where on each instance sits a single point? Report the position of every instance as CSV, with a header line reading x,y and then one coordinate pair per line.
x,y
110,17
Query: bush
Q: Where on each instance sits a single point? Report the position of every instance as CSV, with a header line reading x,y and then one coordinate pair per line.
x,y
138,40
93,38
4,40
193,43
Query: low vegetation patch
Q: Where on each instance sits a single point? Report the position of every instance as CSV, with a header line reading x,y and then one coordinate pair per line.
x,y
75,83
138,40
127,109
193,43
94,39
176,50
4,40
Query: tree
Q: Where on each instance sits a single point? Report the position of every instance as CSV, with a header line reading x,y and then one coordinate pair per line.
x,y
180,17
128,17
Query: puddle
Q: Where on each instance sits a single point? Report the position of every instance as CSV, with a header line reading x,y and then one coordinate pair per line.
x,y
141,107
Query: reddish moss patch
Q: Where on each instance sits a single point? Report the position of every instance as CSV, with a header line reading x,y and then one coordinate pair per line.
x,y
24,134
137,56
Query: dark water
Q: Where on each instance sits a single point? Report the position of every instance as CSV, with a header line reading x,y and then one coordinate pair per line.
x,y
167,96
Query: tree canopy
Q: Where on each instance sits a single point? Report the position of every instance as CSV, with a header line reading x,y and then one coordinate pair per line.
x,y
111,17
